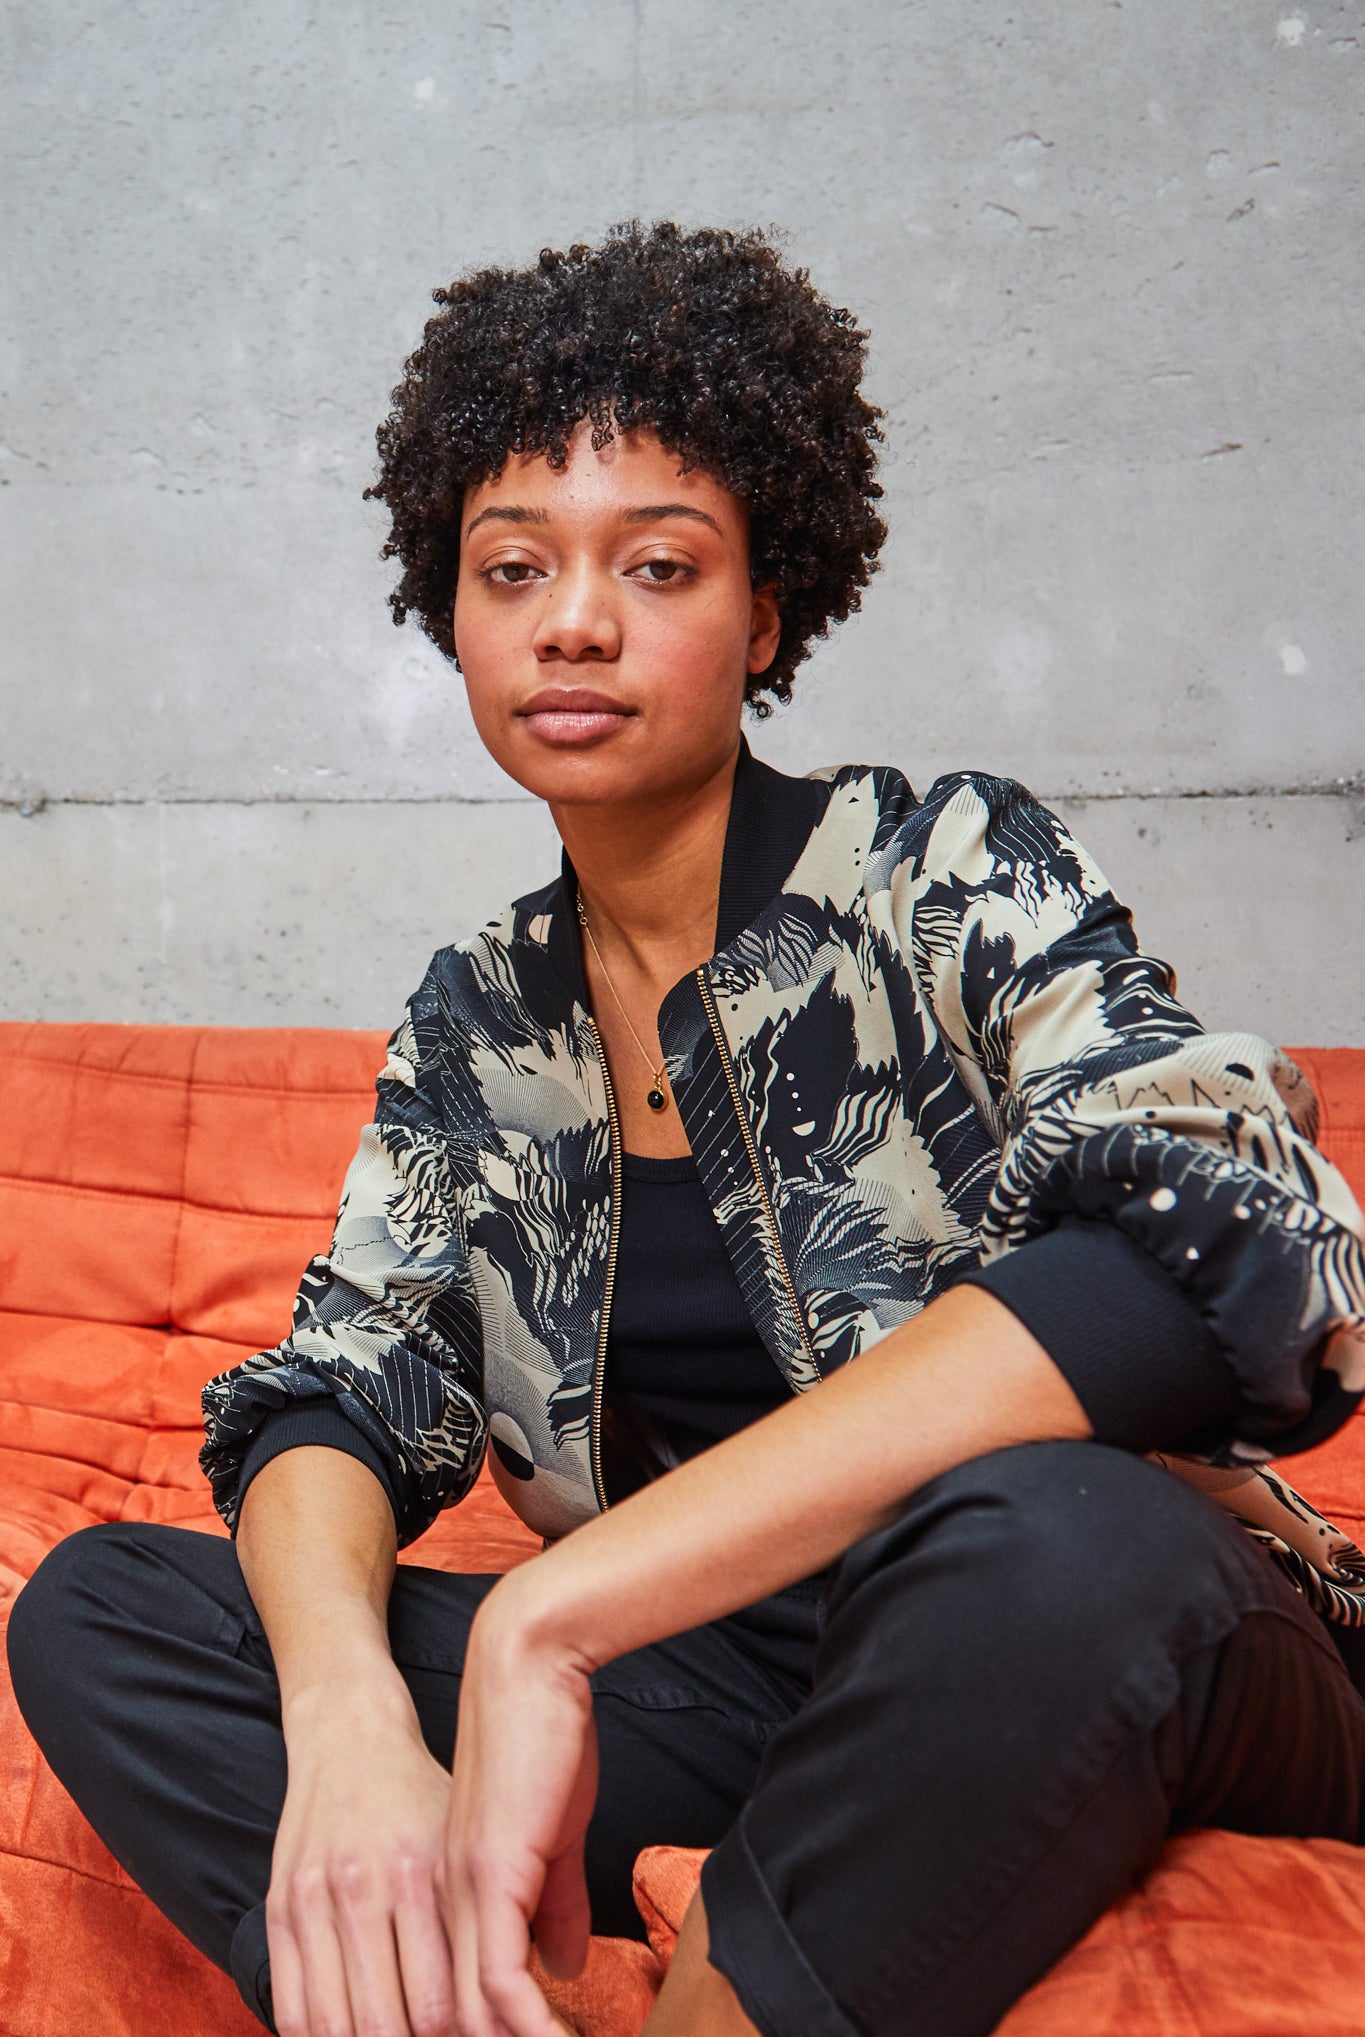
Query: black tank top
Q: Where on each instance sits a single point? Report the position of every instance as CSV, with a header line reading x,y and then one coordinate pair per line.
x,y
685,1365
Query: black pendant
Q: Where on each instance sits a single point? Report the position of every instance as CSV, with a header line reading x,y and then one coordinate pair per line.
x,y
657,1100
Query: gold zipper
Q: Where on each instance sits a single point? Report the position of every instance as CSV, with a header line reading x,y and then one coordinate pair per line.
x,y
599,1375
727,1064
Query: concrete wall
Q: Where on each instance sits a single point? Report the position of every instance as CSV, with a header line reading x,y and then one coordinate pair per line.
x,y
1111,257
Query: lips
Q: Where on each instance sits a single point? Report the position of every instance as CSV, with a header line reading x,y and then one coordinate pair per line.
x,y
568,715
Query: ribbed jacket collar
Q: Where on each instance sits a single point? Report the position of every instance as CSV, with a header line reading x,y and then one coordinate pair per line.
x,y
771,819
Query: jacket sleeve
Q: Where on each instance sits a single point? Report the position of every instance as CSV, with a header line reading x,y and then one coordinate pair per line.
x,y
1111,1103
386,1325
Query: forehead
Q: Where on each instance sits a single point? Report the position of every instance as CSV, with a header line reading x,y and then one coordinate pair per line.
x,y
631,473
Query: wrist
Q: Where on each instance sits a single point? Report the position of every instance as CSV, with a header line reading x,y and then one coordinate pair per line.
x,y
533,1614
359,1686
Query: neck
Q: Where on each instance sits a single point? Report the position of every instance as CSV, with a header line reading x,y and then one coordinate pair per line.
x,y
649,873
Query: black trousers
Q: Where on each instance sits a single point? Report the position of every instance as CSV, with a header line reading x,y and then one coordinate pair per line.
x,y
921,1789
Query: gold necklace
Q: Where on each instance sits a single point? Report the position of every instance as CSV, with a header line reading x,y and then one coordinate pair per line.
x,y
657,1098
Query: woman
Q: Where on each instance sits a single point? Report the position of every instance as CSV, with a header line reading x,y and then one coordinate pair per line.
x,y
777,1073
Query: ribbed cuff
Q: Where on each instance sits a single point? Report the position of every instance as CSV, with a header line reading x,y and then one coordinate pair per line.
x,y
1132,1346
319,1421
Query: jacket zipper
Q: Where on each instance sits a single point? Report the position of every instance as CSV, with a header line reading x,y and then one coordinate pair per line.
x,y
746,1133
599,1374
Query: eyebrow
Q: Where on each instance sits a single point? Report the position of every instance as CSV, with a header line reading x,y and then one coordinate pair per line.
x,y
510,514
654,512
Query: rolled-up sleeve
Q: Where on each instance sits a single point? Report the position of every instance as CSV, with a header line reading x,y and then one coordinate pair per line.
x,y
317,1424
1112,1105
1131,1344
386,1328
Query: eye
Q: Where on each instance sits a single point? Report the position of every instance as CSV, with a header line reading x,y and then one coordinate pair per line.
x,y
509,573
663,572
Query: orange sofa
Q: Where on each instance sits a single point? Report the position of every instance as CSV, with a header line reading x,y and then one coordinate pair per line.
x,y
160,1189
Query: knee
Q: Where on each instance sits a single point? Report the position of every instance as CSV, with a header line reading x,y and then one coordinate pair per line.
x,y
66,1604
1083,1507
1058,1534
1076,1497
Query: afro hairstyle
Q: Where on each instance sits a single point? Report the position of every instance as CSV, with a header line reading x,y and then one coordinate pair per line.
x,y
706,337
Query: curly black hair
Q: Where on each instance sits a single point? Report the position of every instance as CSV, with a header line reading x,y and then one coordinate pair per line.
x,y
735,360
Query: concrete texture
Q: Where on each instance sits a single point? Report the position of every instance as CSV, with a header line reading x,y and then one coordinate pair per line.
x,y
1110,256
1217,887
291,907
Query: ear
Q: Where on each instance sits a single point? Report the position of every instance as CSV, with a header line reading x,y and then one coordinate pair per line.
x,y
765,627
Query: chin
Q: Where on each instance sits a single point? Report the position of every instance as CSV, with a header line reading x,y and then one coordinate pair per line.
x,y
591,774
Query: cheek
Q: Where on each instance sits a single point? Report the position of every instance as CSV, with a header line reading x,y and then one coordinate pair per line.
x,y
483,643
489,675
702,652
465,624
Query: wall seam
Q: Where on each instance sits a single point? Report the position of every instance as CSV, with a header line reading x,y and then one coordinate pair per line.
x,y
30,807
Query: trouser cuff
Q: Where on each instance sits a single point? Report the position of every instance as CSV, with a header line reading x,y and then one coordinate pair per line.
x,y
751,1945
249,1965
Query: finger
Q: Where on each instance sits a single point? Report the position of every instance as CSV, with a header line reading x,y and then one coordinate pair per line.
x,y
327,2001
286,1978
425,1964
504,1970
370,1957
475,2014
471,2011
562,1924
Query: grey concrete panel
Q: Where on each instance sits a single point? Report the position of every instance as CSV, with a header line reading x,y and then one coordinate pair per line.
x,y
1109,256
1255,902
244,682
300,913
316,913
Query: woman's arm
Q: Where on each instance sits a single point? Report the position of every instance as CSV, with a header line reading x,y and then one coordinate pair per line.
x,y
1114,1105
386,1327
773,1504
353,1914
787,1496
316,1544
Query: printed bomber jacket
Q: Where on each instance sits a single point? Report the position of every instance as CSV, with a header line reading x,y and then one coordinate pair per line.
x,y
926,1039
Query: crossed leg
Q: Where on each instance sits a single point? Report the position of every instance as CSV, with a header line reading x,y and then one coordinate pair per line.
x,y
140,1664
1056,1656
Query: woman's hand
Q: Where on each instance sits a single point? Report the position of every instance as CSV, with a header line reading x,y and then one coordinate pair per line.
x,y
354,1912
525,1780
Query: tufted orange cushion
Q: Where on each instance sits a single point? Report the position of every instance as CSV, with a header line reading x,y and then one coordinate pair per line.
x,y
160,1189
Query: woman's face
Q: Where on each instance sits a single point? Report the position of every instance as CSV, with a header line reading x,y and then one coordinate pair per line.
x,y
605,623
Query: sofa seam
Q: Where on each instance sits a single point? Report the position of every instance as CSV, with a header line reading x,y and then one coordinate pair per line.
x,y
179,1199
105,1323
128,1887
210,1084
117,1323
42,1407
173,1279
1147,1941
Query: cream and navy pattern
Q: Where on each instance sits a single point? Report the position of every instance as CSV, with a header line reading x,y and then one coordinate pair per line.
x,y
934,1039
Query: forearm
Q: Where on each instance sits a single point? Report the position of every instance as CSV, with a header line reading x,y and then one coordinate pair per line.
x,y
317,1546
789,1495
353,1911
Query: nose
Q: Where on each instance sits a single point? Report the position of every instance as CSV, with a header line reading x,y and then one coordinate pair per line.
x,y
577,619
